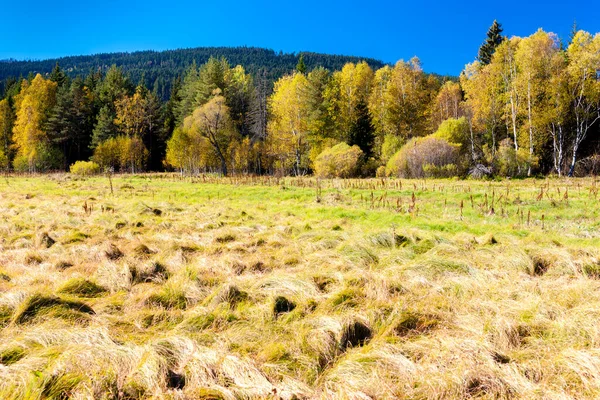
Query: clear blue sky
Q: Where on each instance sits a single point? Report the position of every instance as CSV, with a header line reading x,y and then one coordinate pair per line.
x,y
444,35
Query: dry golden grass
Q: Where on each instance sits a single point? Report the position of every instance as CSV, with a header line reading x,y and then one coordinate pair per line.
x,y
260,288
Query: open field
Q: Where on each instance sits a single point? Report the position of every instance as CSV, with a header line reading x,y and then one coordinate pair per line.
x,y
249,288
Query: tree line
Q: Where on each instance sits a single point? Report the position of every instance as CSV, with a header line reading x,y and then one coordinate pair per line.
x,y
158,70
526,106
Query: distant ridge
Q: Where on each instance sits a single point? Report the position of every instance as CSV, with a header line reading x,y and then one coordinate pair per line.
x,y
159,68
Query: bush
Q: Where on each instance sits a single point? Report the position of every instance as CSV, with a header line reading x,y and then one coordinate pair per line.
x,y
3,160
429,156
390,146
43,158
84,168
454,131
511,162
338,161
121,153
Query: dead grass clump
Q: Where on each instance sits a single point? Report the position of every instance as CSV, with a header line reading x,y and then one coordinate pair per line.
x,y
323,282
282,305
259,266
412,324
45,240
63,265
153,272
389,240
33,258
229,294
4,276
486,386
500,358
112,252
539,265
591,270
163,319
488,239
355,334
82,288
238,268
141,250
226,238
360,255
175,380
39,304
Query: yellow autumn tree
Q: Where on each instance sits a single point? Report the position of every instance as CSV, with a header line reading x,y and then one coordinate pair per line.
x,y
583,87
212,122
378,108
408,99
447,104
33,104
288,125
131,114
534,58
349,87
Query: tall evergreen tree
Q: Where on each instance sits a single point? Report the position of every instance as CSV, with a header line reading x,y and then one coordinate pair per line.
x,y
57,75
71,121
362,132
301,66
493,40
105,126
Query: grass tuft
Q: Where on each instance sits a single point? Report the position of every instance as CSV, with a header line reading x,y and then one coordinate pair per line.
x,y
355,334
11,355
82,288
112,252
39,305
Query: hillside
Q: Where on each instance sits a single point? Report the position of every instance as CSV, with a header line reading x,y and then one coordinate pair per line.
x,y
159,68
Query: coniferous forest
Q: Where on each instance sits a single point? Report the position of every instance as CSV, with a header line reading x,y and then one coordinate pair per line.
x,y
525,106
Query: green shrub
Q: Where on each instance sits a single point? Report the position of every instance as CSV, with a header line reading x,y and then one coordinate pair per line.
x,y
455,131
84,168
424,157
390,146
338,161
43,158
510,162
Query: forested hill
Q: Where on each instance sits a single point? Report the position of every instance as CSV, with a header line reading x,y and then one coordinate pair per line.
x,y
159,68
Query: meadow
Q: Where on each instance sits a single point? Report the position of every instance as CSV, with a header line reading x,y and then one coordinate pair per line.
x,y
164,287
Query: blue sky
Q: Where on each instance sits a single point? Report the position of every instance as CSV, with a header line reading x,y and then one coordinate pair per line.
x,y
444,35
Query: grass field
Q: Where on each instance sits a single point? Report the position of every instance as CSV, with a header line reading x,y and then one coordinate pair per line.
x,y
251,288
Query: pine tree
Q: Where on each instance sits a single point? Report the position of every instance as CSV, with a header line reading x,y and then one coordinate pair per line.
x,y
57,75
105,127
362,132
301,66
493,40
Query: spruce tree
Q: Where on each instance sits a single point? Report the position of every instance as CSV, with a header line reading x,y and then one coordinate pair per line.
x,y
57,75
301,66
362,132
493,40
